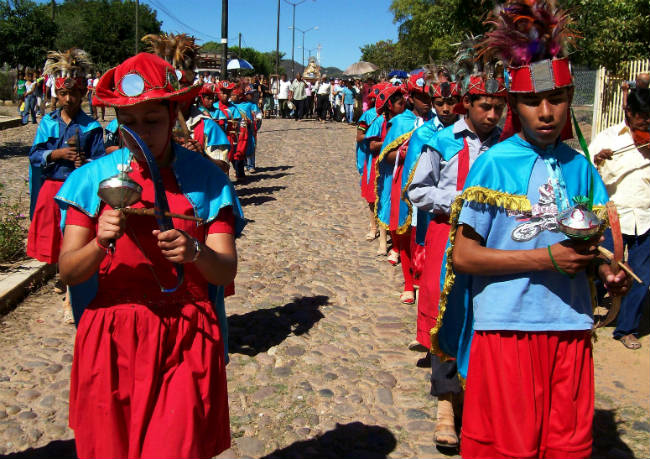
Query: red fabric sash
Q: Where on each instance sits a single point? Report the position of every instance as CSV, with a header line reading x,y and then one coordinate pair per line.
x,y
463,165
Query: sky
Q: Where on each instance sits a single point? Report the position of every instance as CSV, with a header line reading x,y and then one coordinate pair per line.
x,y
343,25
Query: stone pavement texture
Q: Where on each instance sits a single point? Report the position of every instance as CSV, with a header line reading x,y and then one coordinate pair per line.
x,y
319,365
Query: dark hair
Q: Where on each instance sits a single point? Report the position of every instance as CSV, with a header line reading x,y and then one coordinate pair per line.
x,y
397,95
638,100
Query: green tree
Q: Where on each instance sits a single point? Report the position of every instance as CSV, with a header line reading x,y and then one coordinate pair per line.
x,y
26,33
104,28
211,47
612,31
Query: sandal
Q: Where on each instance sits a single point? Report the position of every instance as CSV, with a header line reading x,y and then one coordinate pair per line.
x,y
393,257
444,433
372,235
407,297
630,342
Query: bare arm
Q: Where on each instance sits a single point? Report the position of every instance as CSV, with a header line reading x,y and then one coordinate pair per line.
x,y
81,253
360,135
470,256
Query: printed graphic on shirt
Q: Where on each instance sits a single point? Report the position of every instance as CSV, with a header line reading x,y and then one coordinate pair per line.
x,y
542,216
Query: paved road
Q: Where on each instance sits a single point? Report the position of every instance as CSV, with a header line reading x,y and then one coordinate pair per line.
x,y
319,365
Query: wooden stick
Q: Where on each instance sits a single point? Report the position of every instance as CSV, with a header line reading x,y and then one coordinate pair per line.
x,y
610,256
629,147
151,212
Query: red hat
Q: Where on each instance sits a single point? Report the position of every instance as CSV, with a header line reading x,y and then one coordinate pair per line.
x,y
478,85
376,89
225,85
416,83
141,78
207,89
385,94
541,76
444,89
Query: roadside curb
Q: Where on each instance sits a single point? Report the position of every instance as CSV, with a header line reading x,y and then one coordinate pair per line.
x,y
14,287
10,123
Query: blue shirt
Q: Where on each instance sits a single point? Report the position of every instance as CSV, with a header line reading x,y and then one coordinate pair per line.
x,y
53,133
348,96
535,301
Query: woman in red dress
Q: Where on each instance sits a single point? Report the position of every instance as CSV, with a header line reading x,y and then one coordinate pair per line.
x,y
148,375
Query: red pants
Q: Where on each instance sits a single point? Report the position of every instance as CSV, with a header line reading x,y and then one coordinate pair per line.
x,y
418,255
529,395
402,244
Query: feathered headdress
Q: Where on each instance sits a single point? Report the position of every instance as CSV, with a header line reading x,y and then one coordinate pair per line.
x,y
181,51
481,75
531,37
69,68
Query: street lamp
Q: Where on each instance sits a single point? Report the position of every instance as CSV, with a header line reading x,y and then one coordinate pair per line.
x,y
293,25
303,41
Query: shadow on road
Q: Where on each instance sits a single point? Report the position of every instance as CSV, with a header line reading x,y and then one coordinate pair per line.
x,y
354,440
259,190
61,449
263,176
255,200
607,437
257,331
11,149
273,168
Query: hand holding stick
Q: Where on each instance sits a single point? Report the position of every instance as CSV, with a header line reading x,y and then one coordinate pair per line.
x,y
624,266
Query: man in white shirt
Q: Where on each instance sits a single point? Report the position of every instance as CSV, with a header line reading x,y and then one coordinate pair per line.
x,y
625,168
283,95
323,99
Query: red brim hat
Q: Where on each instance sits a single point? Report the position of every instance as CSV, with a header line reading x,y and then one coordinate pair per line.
x,y
385,94
142,78
416,83
225,86
208,89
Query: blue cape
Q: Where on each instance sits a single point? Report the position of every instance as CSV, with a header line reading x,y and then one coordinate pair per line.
x,y
499,178
204,185
48,132
368,117
214,135
400,131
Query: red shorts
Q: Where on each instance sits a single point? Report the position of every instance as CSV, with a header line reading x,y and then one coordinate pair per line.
x,y
529,395
44,237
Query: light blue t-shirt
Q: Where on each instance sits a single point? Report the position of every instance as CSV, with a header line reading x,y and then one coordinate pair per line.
x,y
532,301
348,96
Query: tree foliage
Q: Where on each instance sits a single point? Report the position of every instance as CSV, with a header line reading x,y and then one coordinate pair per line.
x,y
104,28
26,33
612,31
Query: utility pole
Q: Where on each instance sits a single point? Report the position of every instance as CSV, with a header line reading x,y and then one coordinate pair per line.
x,y
293,35
277,43
318,48
303,53
240,41
137,32
224,39
53,6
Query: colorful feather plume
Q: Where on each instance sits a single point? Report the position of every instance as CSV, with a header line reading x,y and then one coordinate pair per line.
x,y
526,31
180,50
73,63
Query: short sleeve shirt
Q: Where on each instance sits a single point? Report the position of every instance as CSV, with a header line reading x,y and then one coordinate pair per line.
x,y
532,301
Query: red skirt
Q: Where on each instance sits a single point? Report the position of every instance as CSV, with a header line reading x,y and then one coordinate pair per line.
x,y
368,186
44,237
153,379
429,294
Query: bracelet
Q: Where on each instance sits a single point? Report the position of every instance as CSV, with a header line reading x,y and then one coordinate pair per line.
x,y
557,268
104,248
197,250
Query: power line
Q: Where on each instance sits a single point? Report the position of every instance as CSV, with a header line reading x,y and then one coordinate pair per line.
x,y
171,16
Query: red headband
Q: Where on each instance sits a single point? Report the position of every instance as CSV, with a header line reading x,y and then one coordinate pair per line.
x,y
541,76
69,83
445,89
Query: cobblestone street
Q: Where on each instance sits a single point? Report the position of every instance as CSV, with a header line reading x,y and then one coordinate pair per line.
x,y
318,338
